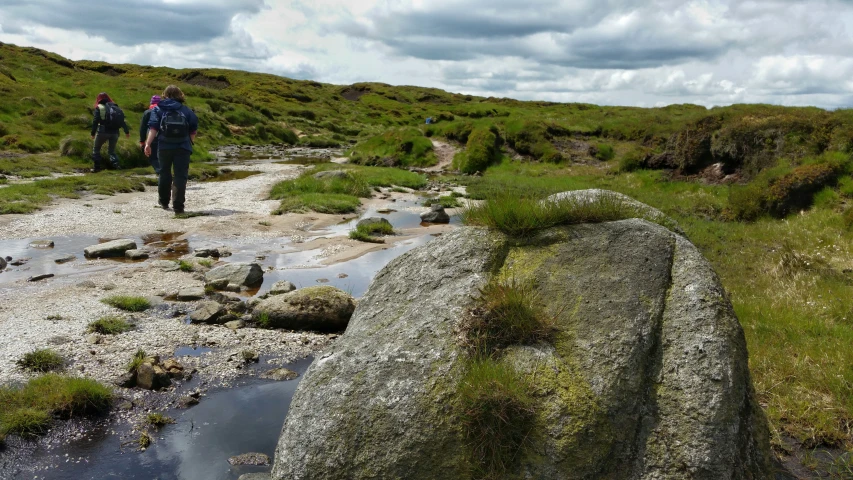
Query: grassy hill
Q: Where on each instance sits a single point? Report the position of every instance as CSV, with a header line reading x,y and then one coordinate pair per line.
x,y
764,191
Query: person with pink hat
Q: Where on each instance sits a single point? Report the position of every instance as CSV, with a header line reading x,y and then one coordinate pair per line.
x,y
143,134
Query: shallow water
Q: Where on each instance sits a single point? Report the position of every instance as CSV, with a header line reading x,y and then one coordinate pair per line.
x,y
225,423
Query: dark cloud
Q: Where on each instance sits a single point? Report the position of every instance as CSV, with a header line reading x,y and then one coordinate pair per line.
x,y
128,23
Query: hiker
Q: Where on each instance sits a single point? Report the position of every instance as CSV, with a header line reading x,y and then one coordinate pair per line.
x,y
109,118
143,134
174,126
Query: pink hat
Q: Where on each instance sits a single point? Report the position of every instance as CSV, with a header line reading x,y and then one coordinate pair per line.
x,y
155,99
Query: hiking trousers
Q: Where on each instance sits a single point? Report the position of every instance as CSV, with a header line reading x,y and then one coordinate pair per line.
x,y
179,159
100,139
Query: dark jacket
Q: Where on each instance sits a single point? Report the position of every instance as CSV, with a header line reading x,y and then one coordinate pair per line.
x,y
143,126
165,105
98,128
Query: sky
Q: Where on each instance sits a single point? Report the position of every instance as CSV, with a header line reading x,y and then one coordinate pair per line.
x,y
608,52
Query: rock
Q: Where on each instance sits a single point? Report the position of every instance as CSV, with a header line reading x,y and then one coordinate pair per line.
x,y
370,221
235,324
207,252
87,284
207,312
190,294
20,261
435,215
331,174
150,376
282,287
255,476
645,378
166,265
322,308
235,275
641,210
187,401
136,254
63,259
250,356
258,459
253,302
172,364
125,380
279,374
37,278
41,244
94,339
2,264
115,248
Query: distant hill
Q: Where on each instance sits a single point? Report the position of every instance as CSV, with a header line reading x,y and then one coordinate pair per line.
x,y
48,98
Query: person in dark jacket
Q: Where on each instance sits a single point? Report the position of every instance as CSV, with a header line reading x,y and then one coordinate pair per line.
x,y
174,126
143,134
102,133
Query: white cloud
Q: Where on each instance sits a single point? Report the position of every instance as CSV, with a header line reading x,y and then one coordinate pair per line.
x,y
631,52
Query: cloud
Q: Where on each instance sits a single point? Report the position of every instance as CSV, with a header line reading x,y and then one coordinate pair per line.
x,y
128,23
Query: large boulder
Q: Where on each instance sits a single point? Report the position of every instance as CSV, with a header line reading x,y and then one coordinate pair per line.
x,y
610,198
235,276
646,376
323,308
114,248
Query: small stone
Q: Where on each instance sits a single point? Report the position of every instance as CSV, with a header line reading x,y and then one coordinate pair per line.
x,y
282,287
235,324
250,356
436,215
126,380
166,265
207,312
19,262
136,254
279,374
36,278
64,259
41,244
368,222
187,401
342,275
257,459
94,339
190,294
87,284
115,248
255,476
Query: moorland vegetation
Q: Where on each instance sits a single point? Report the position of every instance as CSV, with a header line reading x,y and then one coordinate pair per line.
x,y
764,191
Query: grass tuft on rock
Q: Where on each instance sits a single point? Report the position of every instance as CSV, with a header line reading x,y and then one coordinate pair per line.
x,y
446,201
128,303
137,360
109,325
506,313
523,217
496,416
42,360
28,410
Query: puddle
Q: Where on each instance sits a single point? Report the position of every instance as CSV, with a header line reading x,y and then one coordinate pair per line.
x,y
230,422
191,351
232,175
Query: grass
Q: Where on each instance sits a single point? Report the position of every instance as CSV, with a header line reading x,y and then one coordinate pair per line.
x,y
506,313
137,360
446,201
158,420
206,262
185,266
524,217
42,360
186,215
109,325
368,232
29,409
497,414
338,194
128,303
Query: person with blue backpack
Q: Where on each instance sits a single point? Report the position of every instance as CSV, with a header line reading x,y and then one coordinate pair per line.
x,y
108,119
174,126
143,134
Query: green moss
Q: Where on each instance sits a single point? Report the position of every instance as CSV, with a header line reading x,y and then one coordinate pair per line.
x,y
128,303
109,325
396,147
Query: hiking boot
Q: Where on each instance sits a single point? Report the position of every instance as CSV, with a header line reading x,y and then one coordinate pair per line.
x,y
178,211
